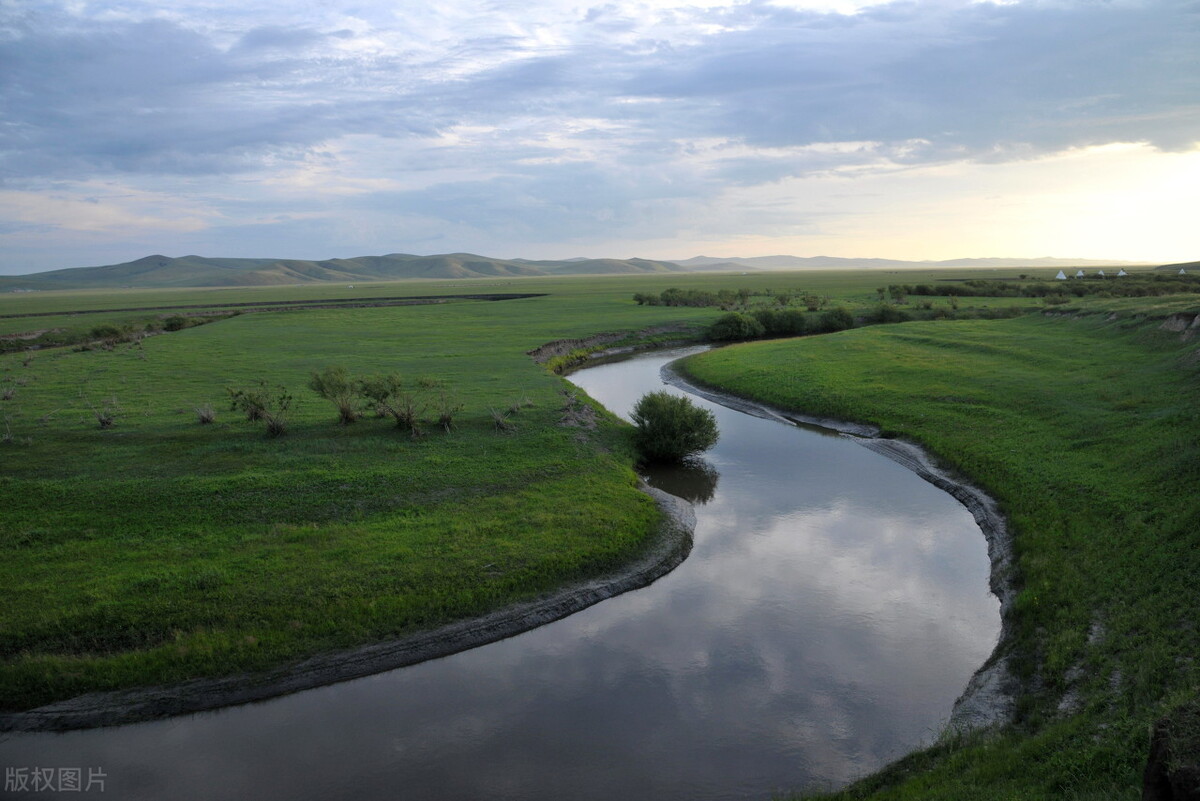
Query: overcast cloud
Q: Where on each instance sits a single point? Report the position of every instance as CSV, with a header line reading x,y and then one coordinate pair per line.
x,y
345,129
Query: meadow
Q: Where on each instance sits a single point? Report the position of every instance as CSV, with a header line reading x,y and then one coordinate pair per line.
x,y
157,549
1084,426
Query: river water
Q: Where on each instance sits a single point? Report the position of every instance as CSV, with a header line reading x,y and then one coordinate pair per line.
x,y
833,608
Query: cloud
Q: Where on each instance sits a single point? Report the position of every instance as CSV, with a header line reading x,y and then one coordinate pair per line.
x,y
976,81
562,120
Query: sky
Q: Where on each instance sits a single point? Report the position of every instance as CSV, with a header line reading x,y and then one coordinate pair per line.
x,y
558,129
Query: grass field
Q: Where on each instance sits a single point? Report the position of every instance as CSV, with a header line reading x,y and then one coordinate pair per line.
x,y
1086,428
159,549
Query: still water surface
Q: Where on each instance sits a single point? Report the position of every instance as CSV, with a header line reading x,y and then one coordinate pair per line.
x,y
832,610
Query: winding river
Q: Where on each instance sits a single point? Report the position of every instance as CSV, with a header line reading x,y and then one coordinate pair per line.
x,y
832,609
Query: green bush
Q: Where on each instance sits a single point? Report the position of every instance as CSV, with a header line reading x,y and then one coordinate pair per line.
x,y
262,402
393,397
887,313
838,319
735,326
335,385
766,318
789,323
671,427
107,332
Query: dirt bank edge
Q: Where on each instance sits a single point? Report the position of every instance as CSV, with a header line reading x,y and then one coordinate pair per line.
x,y
671,544
990,697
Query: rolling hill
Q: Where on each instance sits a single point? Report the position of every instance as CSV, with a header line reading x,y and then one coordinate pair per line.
x,y
1190,266
159,271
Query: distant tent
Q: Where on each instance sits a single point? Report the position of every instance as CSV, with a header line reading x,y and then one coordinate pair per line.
x,y
1101,273
1122,274
1061,276
1079,274
1182,271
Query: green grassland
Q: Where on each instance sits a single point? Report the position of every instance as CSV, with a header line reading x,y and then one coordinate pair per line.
x,y
160,549
1086,428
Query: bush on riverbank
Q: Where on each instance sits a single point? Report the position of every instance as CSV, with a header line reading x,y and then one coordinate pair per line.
x,y
669,428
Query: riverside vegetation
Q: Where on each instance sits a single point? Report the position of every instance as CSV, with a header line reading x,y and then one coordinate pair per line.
x,y
179,541
670,428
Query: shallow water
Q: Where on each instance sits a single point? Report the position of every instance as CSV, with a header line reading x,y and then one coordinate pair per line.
x,y
833,608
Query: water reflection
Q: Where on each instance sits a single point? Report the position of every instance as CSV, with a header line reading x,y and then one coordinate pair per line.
x,y
693,480
832,609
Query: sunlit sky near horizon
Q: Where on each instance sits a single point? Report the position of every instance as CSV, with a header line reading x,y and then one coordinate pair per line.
x,y
661,129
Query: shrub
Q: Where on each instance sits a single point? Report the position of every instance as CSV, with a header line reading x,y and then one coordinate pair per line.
x,y
205,414
838,319
276,413
887,313
789,323
392,398
669,428
448,407
520,404
782,322
335,385
249,401
766,318
107,332
735,326
176,322
500,422
265,403
106,415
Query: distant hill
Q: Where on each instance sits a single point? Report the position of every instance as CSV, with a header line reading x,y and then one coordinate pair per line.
x,y
827,262
160,271
1190,266
198,271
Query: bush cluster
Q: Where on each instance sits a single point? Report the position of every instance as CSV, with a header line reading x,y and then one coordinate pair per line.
x,y
737,326
728,298
389,395
670,428
1130,286
265,403
694,297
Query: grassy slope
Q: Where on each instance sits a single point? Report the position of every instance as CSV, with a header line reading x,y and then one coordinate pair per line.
x,y
1088,432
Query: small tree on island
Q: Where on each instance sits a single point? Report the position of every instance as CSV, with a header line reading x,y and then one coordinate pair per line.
x,y
669,428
